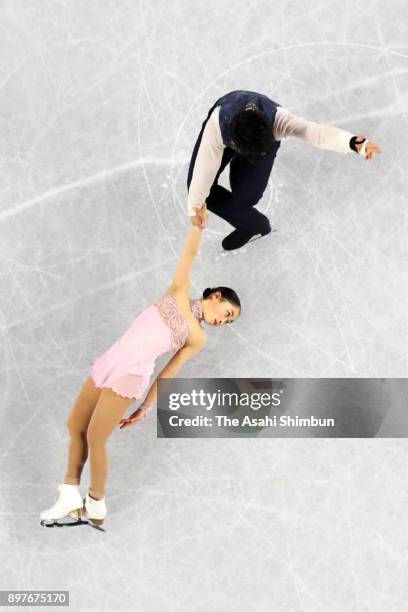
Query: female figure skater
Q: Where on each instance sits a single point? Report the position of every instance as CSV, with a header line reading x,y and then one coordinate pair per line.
x,y
121,375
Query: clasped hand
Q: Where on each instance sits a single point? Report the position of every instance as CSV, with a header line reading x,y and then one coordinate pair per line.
x,y
201,217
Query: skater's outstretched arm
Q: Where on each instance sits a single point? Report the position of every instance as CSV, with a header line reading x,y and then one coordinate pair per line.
x,y
206,165
181,278
328,137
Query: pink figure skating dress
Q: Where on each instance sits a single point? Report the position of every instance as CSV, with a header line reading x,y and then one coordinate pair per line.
x,y
126,367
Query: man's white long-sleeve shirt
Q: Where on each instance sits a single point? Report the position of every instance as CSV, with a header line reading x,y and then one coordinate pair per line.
x,y
286,125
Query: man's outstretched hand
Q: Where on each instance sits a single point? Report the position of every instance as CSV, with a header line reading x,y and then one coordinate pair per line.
x,y
201,216
371,147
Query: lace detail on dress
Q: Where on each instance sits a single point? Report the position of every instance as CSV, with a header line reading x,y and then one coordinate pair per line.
x,y
196,309
179,328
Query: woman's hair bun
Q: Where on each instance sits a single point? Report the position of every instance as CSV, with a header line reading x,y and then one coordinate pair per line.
x,y
207,292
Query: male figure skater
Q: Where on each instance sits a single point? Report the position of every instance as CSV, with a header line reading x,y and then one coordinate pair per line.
x,y
244,129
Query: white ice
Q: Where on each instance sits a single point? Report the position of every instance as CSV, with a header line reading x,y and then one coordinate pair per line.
x,y
100,106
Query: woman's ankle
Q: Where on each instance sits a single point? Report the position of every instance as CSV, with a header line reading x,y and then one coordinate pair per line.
x,y
71,480
94,495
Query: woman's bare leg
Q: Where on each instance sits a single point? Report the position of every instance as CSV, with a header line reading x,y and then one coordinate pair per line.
x,y
77,423
108,412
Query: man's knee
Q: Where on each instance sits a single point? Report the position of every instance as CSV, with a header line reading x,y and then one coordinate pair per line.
x,y
246,200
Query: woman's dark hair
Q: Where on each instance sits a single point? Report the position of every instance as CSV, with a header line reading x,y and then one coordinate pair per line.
x,y
226,294
251,134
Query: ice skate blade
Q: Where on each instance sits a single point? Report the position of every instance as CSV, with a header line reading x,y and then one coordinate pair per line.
x,y
254,238
258,236
69,523
95,525
65,523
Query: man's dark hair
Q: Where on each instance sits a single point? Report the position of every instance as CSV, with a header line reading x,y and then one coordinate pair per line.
x,y
251,134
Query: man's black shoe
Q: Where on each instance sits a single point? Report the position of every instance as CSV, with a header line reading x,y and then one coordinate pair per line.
x,y
238,238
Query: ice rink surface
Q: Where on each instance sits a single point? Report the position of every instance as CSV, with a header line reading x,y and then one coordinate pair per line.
x,y
100,106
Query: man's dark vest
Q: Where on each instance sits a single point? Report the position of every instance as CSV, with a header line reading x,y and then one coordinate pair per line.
x,y
238,100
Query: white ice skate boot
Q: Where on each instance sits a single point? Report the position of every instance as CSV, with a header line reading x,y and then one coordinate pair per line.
x,y
68,505
95,509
